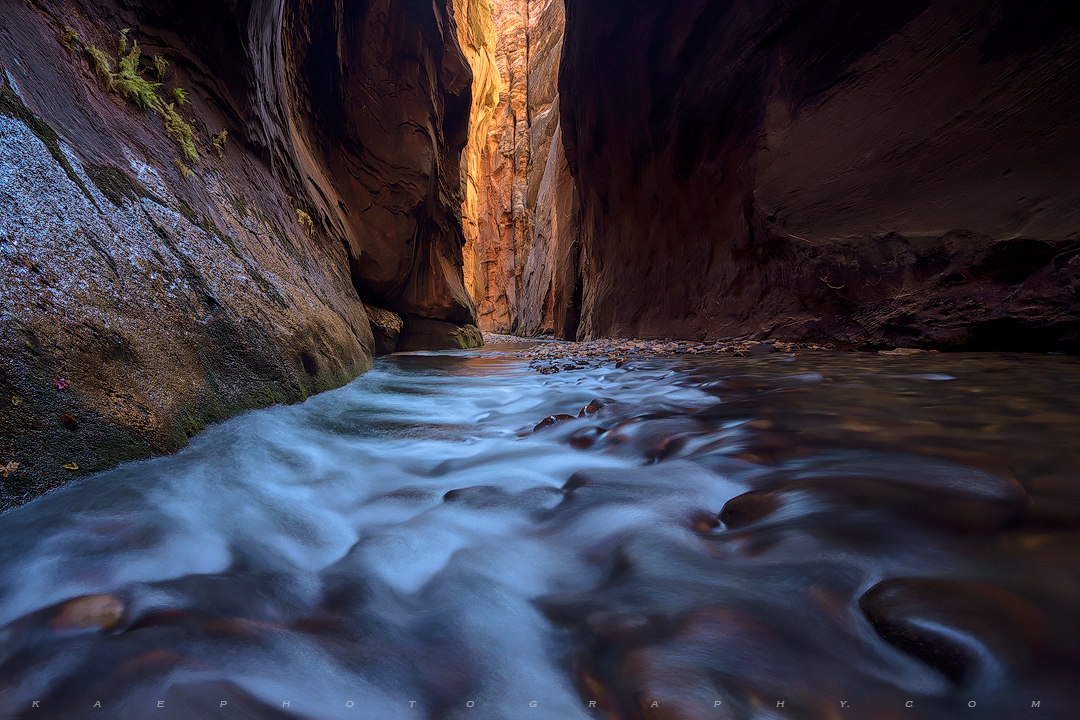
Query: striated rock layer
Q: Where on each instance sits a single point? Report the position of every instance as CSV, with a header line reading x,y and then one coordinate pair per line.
x,y
143,293
512,167
887,173
476,33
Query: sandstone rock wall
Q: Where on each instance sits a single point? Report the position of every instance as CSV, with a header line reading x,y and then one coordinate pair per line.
x,y
886,173
528,41
476,33
140,300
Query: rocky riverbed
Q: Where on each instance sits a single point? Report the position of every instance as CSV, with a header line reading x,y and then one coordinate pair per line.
x,y
852,535
552,356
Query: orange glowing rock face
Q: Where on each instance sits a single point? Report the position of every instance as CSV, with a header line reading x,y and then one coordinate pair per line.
x,y
89,612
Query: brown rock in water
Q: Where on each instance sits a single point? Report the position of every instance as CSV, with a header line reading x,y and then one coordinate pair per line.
x,y
422,334
749,507
703,521
551,420
890,173
386,327
944,494
478,496
969,631
591,409
100,612
181,299
585,438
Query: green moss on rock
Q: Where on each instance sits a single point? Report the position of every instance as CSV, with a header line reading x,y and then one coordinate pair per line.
x,y
117,185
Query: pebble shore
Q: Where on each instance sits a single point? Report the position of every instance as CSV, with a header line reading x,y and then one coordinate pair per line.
x,y
554,356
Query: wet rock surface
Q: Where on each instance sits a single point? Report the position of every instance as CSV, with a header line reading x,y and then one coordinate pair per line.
x,y
386,327
972,632
423,334
175,283
412,543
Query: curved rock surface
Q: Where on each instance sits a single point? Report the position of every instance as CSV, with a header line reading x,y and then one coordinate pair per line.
x,y
148,288
893,174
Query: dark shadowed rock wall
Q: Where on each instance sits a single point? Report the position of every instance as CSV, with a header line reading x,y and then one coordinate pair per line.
x,y
140,300
895,173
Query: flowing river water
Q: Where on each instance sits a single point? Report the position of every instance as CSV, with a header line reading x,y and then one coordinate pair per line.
x,y
812,535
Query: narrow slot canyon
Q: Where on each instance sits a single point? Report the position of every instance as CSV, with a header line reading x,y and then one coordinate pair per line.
x,y
539,359
516,169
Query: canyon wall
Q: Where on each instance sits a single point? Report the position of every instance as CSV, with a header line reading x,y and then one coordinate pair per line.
x,y
168,261
512,160
476,33
884,173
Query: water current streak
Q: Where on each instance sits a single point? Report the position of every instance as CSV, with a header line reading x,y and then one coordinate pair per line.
x,y
818,535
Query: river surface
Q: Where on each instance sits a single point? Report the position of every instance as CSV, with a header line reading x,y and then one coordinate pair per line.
x,y
818,535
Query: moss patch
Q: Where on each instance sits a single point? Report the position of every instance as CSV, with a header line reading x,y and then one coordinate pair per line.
x,y
69,39
218,406
218,141
117,185
270,378
179,132
34,435
100,65
286,243
131,85
188,213
161,66
305,222
240,205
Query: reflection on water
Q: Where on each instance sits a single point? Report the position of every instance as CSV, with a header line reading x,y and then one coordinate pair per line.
x,y
811,536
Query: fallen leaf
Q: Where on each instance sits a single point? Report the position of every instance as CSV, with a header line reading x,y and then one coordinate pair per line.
x,y
61,383
16,400
70,422
9,468
71,466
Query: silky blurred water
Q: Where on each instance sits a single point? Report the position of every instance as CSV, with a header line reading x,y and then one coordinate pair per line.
x,y
408,547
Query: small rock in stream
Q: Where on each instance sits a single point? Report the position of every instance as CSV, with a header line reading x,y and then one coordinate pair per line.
x,y
551,420
91,612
